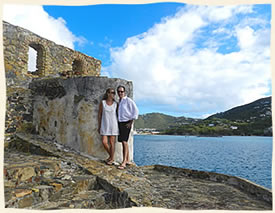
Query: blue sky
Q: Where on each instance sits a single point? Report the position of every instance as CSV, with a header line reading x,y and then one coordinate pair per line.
x,y
106,26
184,60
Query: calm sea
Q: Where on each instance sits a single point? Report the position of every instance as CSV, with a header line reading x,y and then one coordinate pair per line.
x,y
248,157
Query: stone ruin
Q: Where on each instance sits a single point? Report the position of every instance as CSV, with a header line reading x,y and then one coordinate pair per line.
x,y
52,157
52,60
60,99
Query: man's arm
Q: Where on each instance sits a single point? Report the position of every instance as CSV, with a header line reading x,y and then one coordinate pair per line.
x,y
129,124
134,113
134,110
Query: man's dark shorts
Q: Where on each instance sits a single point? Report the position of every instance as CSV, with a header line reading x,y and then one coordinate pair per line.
x,y
124,132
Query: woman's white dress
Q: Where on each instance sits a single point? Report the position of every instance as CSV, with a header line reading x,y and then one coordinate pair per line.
x,y
109,123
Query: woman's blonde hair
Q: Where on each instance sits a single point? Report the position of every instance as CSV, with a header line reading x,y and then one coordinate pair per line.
x,y
106,93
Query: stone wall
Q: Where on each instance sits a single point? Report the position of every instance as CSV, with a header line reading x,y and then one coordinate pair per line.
x,y
66,110
52,59
19,111
66,89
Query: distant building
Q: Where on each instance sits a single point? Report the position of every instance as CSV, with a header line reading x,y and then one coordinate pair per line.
x,y
147,131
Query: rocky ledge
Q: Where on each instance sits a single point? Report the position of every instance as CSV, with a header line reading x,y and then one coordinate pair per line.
x,y
42,174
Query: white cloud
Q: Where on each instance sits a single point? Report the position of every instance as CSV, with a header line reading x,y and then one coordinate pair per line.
x,y
243,9
168,70
104,72
221,13
37,20
246,37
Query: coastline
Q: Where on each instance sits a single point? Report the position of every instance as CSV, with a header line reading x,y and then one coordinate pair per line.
x,y
204,135
215,154
95,185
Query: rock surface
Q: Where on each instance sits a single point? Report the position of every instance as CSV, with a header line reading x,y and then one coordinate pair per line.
x,y
41,174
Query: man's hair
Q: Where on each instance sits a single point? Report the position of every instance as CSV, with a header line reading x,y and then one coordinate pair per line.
x,y
120,86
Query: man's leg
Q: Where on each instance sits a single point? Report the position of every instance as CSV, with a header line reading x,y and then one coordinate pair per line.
x,y
125,153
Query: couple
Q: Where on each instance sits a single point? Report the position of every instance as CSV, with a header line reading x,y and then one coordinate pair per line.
x,y
116,119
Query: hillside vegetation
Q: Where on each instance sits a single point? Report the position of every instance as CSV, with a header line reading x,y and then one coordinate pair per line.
x,y
252,111
161,121
249,119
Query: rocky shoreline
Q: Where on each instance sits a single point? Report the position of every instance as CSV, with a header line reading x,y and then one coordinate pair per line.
x,y
42,174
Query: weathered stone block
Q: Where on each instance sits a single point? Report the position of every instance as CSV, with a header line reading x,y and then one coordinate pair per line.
x,y
27,117
83,183
20,107
11,130
22,192
25,202
45,191
22,173
73,118
57,186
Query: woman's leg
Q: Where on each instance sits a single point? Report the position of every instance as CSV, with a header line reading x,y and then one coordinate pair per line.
x,y
112,147
106,145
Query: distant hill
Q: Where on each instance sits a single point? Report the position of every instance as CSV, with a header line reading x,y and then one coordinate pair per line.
x,y
258,109
249,119
161,121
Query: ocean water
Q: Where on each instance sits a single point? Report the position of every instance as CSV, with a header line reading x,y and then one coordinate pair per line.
x,y
249,157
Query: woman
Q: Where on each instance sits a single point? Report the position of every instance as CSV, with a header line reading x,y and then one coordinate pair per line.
x,y
107,123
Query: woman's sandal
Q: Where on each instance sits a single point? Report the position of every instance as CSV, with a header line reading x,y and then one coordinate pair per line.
x,y
110,163
107,160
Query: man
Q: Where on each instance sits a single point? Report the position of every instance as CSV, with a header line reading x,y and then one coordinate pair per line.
x,y
127,113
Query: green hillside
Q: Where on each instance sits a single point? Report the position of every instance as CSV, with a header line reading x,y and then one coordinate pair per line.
x,y
256,110
249,119
161,121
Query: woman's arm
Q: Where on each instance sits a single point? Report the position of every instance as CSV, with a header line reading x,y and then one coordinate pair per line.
x,y
99,117
117,105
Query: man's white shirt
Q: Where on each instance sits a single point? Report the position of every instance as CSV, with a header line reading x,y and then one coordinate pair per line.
x,y
127,110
